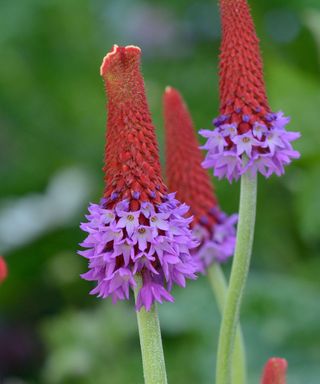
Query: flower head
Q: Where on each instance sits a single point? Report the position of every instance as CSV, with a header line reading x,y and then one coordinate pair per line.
x,y
275,371
211,227
247,136
3,269
137,228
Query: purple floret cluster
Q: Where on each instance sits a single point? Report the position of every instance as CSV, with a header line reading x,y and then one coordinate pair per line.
x,y
218,243
265,148
153,242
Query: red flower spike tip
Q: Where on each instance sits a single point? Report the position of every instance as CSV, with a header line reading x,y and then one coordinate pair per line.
x,y
275,371
242,85
248,136
132,165
3,269
213,229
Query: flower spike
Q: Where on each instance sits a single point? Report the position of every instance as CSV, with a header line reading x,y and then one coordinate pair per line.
x,y
138,229
275,371
247,136
213,229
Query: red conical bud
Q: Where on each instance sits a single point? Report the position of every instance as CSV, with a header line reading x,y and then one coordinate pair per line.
x,y
183,159
212,228
275,371
132,166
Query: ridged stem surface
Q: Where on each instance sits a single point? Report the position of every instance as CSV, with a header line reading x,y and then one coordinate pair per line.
x,y
238,277
219,286
154,369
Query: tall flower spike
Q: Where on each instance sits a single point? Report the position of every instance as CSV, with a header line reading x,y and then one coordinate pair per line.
x,y
248,136
275,371
213,229
138,228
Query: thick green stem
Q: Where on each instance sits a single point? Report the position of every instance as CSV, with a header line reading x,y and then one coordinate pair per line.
x,y
154,369
239,272
219,287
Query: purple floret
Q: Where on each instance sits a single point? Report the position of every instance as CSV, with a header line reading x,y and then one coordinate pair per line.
x,y
266,147
153,242
218,244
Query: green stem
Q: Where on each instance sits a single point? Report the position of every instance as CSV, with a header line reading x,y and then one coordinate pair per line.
x,y
219,287
154,369
239,272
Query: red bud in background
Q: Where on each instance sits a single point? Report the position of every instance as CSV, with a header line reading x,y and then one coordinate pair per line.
x,y
3,269
275,371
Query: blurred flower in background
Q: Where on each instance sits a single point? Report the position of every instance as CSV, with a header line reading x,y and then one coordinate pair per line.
x,y
214,229
274,371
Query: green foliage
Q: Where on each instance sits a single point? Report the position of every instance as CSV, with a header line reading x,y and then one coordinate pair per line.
x,y
88,346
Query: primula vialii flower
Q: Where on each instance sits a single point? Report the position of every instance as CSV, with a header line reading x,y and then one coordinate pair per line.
x,y
213,228
138,228
248,136
3,269
275,371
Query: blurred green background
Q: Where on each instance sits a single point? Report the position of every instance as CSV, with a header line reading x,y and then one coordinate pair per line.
x,y
52,112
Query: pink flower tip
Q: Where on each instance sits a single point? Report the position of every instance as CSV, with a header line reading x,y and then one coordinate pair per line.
x,y
119,54
274,371
169,89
